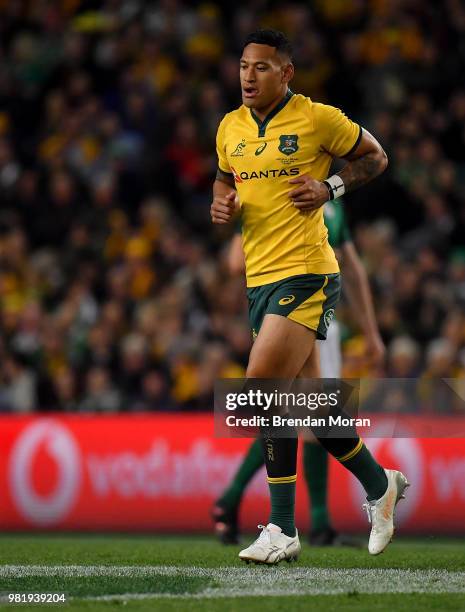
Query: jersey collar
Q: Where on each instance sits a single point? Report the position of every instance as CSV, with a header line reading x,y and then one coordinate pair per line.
x,y
262,125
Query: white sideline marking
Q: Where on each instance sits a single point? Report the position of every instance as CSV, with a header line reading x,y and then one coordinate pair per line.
x,y
258,581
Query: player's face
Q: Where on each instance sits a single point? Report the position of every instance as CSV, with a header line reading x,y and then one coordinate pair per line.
x,y
264,76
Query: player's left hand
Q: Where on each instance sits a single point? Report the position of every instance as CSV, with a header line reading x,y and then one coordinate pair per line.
x,y
310,194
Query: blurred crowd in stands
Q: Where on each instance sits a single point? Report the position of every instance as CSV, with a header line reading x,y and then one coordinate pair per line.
x,y
114,293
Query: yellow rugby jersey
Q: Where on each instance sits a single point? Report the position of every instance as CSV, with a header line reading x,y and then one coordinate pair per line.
x,y
298,137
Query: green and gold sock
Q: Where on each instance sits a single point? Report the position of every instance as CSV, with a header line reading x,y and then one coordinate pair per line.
x,y
282,493
281,467
363,466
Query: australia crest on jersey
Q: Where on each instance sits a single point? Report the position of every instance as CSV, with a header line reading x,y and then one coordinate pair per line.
x,y
288,144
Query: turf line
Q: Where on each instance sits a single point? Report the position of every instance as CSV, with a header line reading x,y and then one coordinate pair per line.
x,y
258,581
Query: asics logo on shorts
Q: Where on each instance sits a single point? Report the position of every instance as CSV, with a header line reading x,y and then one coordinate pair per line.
x,y
288,299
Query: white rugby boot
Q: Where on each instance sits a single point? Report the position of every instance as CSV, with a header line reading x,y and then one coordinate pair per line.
x,y
272,546
381,512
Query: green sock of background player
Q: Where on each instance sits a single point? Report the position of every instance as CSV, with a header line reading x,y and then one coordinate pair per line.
x,y
316,476
252,462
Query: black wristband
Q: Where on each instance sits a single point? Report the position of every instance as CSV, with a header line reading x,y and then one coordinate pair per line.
x,y
330,190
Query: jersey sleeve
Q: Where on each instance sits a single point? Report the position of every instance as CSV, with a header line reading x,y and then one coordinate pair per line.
x,y
338,135
223,163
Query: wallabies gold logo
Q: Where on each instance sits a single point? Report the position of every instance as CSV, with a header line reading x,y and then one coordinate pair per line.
x,y
288,144
288,299
238,151
329,314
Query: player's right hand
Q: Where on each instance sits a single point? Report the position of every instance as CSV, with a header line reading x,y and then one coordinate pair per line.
x,y
224,208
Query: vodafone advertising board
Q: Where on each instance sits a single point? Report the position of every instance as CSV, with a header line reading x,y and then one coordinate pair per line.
x,y
163,472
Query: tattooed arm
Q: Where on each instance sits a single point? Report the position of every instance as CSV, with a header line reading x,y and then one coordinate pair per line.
x,y
365,163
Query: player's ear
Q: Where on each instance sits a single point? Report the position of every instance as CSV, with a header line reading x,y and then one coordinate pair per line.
x,y
288,73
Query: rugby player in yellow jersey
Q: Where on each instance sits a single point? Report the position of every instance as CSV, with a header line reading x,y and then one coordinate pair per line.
x,y
274,154
314,457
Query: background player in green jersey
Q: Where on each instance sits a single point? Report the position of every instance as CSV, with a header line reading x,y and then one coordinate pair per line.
x,y
315,457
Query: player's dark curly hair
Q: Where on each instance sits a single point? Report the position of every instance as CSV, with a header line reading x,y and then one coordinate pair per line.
x,y
272,38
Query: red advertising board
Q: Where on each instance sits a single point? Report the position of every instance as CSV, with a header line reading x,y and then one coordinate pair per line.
x,y
163,472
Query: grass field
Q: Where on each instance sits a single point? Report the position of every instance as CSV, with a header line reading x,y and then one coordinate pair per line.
x,y
110,572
